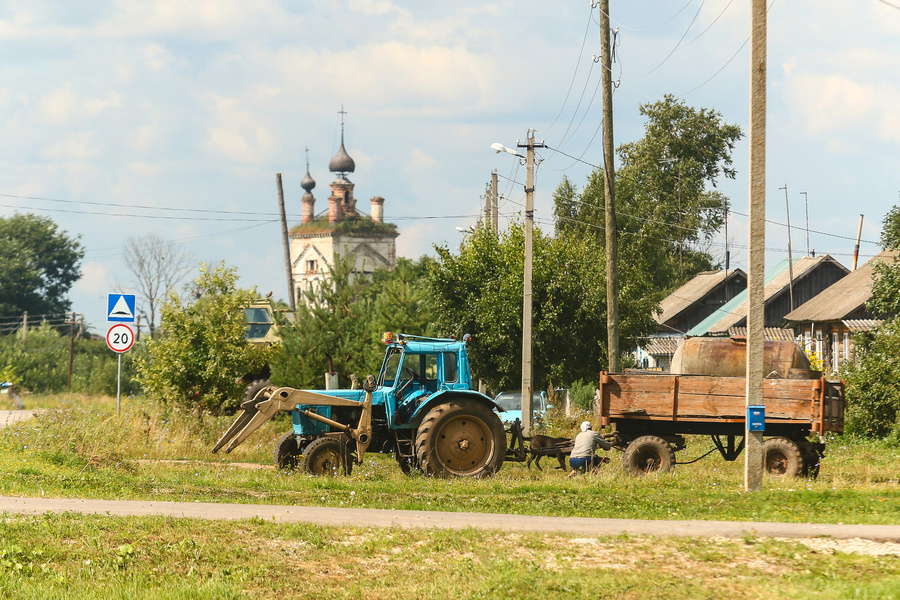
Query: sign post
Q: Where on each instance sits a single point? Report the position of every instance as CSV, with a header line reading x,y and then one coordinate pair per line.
x,y
119,338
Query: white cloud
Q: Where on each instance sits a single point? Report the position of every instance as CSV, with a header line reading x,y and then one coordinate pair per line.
x,y
73,147
239,134
94,276
836,103
58,107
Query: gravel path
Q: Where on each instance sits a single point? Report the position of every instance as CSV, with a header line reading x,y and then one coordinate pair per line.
x,y
448,520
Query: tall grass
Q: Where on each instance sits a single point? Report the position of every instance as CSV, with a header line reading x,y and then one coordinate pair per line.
x,y
88,451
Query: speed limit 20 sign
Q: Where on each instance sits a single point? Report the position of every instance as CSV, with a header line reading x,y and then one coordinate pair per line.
x,y
120,338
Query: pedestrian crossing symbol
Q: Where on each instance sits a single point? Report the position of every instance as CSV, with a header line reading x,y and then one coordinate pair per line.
x,y
120,308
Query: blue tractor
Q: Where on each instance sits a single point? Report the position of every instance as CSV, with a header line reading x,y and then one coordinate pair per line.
x,y
421,408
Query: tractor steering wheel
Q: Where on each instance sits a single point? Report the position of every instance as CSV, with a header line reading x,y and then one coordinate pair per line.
x,y
413,376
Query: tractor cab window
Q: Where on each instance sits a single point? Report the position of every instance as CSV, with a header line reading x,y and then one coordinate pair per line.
x,y
451,371
391,365
258,322
422,369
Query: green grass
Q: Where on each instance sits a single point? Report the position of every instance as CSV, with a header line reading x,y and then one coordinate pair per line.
x,y
80,448
72,556
88,452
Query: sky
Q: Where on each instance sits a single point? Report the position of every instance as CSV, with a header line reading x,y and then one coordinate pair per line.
x,y
121,118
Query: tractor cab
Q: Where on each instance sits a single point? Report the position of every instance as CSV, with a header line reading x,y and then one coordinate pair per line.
x,y
416,368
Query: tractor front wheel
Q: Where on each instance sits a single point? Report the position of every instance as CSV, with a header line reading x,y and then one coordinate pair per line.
x,y
287,452
326,456
462,438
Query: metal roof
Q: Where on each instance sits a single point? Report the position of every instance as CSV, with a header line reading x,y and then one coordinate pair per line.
x,y
775,334
692,292
662,345
844,296
777,280
855,325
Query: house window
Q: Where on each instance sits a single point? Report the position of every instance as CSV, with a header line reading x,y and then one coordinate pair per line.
x,y
835,352
846,346
819,346
312,265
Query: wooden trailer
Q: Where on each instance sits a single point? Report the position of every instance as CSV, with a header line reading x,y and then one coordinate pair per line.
x,y
653,412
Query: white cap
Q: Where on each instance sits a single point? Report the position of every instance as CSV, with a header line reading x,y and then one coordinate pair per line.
x,y
586,425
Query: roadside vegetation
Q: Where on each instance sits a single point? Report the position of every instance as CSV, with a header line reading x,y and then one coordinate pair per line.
x,y
150,453
72,557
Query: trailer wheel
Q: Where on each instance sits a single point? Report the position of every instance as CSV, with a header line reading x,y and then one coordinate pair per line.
x,y
648,454
325,456
461,438
782,457
287,452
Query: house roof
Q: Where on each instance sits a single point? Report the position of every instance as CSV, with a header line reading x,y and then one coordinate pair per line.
x,y
857,325
692,292
665,345
844,296
777,280
776,334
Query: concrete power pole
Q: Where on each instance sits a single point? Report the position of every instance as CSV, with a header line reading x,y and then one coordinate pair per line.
x,y
488,220
287,243
612,298
527,370
753,454
495,204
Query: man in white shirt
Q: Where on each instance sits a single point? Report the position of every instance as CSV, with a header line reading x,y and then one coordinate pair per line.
x,y
586,442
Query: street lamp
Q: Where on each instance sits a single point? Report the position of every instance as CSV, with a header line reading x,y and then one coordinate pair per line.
x,y
527,369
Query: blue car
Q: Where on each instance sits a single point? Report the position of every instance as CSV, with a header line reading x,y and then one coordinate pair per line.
x,y
511,402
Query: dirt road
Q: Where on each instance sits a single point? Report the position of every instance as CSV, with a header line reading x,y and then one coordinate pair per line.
x,y
446,520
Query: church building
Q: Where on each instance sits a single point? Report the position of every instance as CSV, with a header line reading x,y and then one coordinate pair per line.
x,y
324,238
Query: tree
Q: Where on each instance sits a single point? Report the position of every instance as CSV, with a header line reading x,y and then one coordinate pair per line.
x,y
873,398
479,292
329,334
158,266
890,231
38,266
201,349
666,214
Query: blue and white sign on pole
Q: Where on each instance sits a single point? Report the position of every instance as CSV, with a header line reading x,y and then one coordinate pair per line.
x,y
120,308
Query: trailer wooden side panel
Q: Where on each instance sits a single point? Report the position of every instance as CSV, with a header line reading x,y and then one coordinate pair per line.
x,y
816,402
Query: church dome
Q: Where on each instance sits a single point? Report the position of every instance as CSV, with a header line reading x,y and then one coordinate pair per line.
x,y
308,182
341,163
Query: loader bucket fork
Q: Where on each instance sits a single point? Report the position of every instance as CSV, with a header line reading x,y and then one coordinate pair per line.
x,y
269,400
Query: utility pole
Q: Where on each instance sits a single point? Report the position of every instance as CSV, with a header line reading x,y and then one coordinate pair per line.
x,y
495,203
527,370
71,324
806,203
24,325
612,298
787,206
753,454
487,208
856,248
287,242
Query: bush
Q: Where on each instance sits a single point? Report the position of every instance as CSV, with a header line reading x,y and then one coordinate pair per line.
x,y
873,397
40,363
201,350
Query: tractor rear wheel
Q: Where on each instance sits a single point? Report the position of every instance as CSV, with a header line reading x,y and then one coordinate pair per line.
x,y
287,452
648,454
462,438
782,457
326,456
